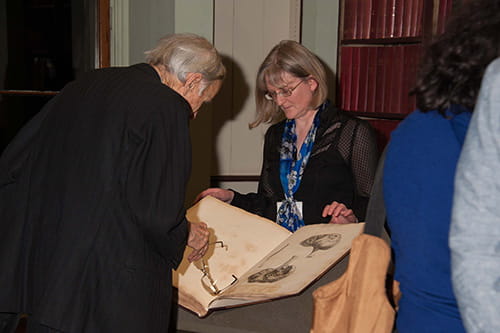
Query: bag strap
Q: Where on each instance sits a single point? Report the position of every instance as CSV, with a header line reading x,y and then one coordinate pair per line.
x,y
375,211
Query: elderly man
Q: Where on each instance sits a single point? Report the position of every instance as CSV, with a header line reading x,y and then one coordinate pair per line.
x,y
92,192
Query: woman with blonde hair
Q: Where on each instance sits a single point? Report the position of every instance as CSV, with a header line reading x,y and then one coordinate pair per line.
x,y
319,162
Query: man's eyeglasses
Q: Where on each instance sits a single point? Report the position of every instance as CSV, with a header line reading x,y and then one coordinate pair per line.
x,y
284,92
208,282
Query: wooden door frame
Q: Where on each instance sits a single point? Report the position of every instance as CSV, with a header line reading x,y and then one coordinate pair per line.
x,y
104,31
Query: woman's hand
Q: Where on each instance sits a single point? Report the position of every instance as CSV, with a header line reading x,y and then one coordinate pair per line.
x,y
198,240
219,193
339,213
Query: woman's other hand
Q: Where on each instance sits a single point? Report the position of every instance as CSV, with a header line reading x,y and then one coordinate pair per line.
x,y
339,213
219,193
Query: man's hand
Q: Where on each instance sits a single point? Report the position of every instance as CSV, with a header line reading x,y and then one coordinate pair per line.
x,y
219,193
198,240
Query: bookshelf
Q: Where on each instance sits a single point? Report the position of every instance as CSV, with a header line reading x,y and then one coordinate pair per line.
x,y
381,43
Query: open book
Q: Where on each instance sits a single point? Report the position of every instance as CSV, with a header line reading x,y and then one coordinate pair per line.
x,y
252,259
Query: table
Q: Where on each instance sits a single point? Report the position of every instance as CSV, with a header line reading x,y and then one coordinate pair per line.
x,y
290,314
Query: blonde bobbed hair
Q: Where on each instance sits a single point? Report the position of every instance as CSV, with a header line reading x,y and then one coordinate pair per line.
x,y
291,57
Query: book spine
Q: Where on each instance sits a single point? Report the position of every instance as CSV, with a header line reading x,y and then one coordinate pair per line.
x,y
345,77
381,19
355,18
368,18
416,18
380,80
355,81
398,22
363,78
371,78
414,55
388,82
407,15
418,21
397,80
390,19
348,20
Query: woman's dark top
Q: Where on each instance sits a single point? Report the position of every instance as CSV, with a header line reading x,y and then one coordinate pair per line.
x,y
341,168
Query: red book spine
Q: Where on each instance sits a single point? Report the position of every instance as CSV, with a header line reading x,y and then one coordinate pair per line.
x,y
371,78
365,17
441,17
363,78
348,20
368,19
381,19
389,73
345,77
391,19
388,64
397,80
380,80
414,60
416,19
406,80
374,17
398,22
355,16
407,15
355,82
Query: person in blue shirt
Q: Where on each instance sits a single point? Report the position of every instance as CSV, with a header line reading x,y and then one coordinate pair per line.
x,y
420,166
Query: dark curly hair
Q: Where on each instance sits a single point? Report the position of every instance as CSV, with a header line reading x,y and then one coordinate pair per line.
x,y
454,63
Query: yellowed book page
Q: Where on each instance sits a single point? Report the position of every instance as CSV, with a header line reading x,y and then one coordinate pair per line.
x,y
247,238
296,262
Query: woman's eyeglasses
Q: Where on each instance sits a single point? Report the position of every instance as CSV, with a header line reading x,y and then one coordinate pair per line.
x,y
208,282
284,92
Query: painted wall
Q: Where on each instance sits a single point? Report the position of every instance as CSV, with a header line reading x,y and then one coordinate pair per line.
x,y
243,31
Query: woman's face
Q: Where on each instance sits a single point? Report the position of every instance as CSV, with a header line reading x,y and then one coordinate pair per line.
x,y
298,103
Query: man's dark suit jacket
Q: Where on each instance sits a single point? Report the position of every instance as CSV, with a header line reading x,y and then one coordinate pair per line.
x,y
91,205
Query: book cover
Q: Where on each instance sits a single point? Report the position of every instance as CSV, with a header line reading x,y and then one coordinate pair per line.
x,y
253,259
